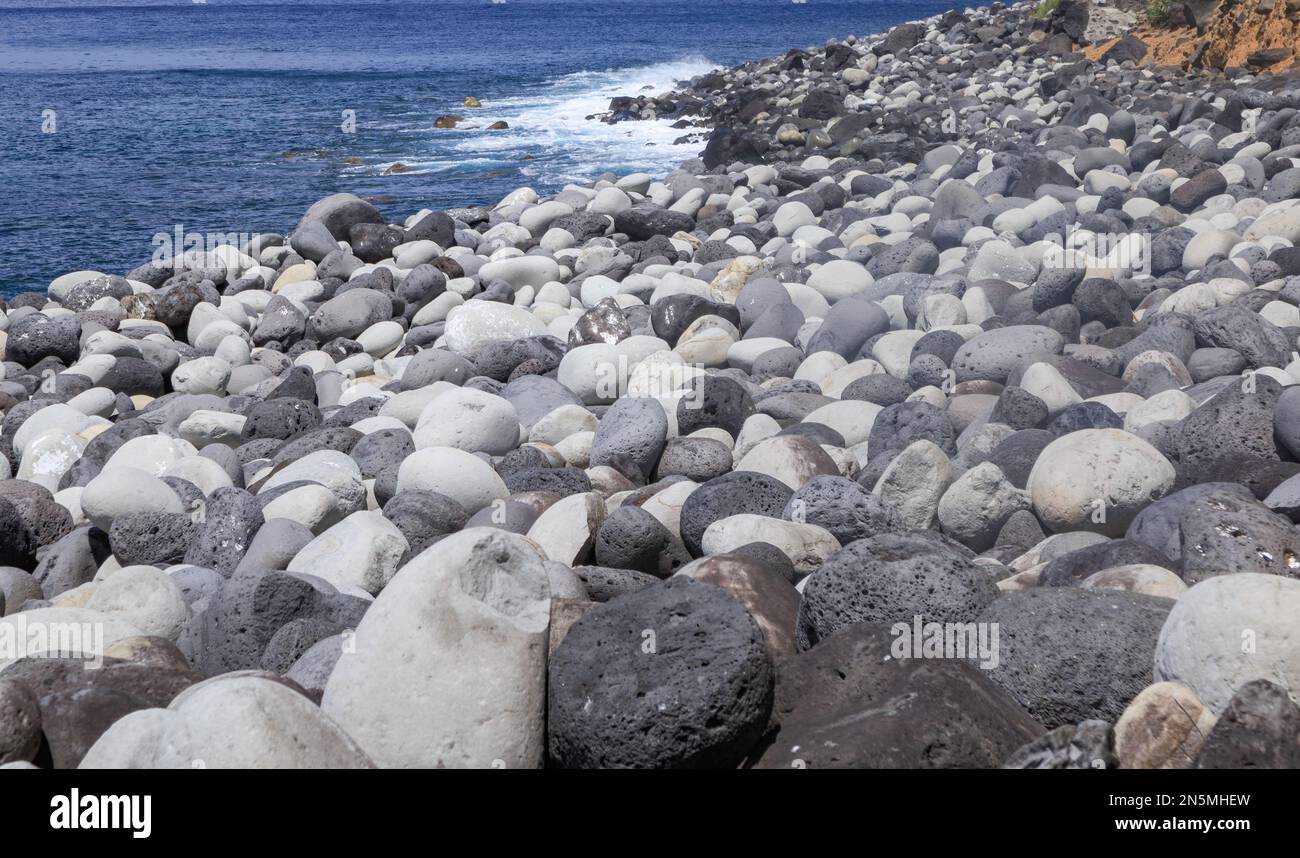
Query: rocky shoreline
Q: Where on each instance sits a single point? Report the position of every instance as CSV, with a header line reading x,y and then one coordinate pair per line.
x,y
940,415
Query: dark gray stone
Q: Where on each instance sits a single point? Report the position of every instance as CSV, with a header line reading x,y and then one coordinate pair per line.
x,y
679,643
424,517
72,561
851,703
253,605
631,538
1070,655
731,494
232,518
714,401
636,427
1223,533
1070,569
848,510
696,459
858,585
897,426
1260,729
151,538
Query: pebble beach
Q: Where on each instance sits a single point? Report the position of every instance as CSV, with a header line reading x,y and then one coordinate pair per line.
x,y
938,414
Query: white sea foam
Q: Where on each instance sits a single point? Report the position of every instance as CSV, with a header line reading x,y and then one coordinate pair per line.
x,y
551,140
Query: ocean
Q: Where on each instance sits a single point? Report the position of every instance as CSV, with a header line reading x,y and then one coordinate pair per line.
x,y
121,121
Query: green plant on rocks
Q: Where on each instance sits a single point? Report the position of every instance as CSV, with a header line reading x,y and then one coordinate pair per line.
x,y
1045,9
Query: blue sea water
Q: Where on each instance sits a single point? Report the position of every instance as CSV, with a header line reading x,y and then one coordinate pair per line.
x,y
122,120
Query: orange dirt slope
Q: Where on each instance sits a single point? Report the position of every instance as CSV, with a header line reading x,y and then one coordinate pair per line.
x,y
1234,33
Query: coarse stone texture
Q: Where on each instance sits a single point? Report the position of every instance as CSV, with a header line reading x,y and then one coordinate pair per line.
x,y
1068,655
681,647
862,583
1259,729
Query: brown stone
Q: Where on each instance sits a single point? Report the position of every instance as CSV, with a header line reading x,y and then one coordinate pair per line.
x,y
78,701
564,613
1163,728
771,600
847,703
